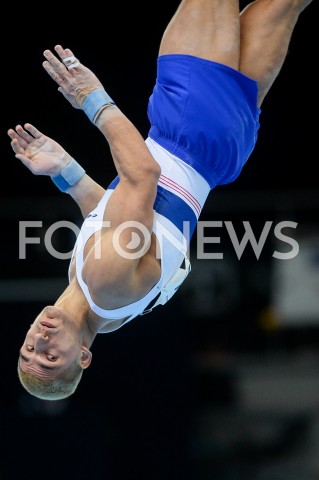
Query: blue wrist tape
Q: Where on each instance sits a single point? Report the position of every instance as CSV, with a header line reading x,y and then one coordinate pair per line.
x,y
69,176
94,101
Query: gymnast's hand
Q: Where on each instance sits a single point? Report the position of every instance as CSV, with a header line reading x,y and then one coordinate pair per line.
x,y
74,79
39,153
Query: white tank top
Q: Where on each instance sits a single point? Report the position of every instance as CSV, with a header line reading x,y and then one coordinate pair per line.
x,y
180,181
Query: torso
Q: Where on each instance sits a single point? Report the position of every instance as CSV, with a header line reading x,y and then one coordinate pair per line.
x,y
180,197
105,301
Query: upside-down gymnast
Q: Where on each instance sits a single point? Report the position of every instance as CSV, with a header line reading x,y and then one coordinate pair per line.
x,y
214,69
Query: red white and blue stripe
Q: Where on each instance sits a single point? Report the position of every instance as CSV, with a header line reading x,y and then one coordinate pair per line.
x,y
181,191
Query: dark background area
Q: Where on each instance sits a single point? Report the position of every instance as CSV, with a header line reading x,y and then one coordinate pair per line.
x,y
169,396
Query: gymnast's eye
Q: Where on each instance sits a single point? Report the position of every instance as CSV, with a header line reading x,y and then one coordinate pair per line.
x,y
52,358
30,348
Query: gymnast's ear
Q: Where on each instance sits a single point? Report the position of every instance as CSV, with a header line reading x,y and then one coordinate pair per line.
x,y
86,357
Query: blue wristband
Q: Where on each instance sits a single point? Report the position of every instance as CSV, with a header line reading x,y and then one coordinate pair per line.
x,y
94,102
69,176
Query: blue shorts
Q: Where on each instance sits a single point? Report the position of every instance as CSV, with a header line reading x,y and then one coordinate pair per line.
x,y
206,114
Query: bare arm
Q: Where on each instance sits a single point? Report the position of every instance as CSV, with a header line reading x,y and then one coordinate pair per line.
x,y
136,167
43,156
133,199
87,194
131,157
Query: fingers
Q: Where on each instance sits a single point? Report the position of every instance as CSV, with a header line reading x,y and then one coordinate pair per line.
x,y
61,72
52,72
57,70
21,138
24,134
63,53
17,142
16,147
34,131
67,57
24,159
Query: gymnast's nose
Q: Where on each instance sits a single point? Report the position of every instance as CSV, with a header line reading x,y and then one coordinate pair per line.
x,y
41,336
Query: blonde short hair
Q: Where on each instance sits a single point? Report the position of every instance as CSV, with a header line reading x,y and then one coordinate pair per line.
x,y
56,389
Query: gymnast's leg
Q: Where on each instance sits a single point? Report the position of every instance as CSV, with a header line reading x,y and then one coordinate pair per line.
x,y
208,29
266,29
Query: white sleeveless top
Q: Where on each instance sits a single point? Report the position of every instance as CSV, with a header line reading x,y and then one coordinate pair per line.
x,y
177,180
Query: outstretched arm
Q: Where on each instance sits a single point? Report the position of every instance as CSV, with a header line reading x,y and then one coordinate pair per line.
x,y
43,156
133,199
80,86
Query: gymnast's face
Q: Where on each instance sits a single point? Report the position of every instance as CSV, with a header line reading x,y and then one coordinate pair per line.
x,y
51,344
